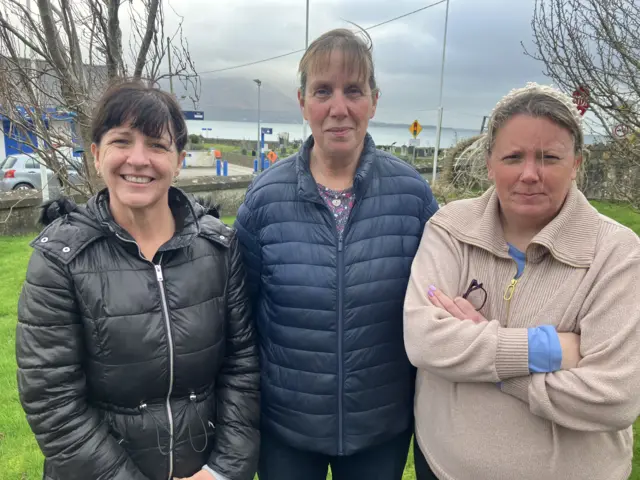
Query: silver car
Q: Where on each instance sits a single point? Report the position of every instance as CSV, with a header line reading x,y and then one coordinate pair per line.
x,y
22,172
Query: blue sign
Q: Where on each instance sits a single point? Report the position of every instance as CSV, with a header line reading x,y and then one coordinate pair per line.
x,y
193,115
267,131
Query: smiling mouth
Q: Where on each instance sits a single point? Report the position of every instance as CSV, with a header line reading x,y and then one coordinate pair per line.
x,y
136,179
339,130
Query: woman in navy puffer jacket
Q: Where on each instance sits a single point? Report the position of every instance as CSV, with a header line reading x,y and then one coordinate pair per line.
x,y
328,237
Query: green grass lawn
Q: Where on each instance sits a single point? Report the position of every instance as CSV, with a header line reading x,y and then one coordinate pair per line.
x,y
222,148
20,458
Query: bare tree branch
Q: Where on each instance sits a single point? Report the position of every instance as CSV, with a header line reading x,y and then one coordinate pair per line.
x,y
46,18
114,39
77,62
73,50
593,44
148,36
7,26
596,45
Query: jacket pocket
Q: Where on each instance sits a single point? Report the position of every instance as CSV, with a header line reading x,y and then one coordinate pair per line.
x,y
113,431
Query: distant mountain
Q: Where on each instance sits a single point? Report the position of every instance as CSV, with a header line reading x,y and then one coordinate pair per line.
x,y
236,100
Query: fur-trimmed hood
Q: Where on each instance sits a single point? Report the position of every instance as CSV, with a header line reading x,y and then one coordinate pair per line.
x,y
72,227
59,207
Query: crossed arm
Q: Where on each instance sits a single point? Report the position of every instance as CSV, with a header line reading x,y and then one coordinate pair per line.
x,y
597,387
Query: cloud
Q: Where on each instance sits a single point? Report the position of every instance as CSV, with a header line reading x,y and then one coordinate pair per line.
x,y
484,57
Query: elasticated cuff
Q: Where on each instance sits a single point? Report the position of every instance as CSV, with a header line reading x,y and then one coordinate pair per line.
x,y
512,358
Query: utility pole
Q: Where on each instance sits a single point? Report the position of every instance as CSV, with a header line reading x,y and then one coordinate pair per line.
x,y
258,150
439,127
306,46
484,122
169,57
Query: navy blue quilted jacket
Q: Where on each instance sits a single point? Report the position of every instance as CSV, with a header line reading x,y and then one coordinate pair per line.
x,y
335,375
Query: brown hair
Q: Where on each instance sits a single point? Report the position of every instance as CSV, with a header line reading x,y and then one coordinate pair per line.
x,y
357,56
147,109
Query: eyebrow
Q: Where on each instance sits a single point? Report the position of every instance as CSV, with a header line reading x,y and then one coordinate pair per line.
x,y
556,146
326,81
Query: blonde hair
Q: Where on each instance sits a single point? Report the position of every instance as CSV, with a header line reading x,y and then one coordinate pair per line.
x,y
536,101
357,56
469,168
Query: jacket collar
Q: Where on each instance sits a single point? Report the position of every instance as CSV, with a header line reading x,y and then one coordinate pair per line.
x,y
186,214
570,237
307,186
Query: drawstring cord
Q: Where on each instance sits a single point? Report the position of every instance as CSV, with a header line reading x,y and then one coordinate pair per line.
x,y
192,400
143,409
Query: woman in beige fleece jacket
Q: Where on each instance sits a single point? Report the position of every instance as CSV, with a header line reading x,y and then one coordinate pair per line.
x,y
536,375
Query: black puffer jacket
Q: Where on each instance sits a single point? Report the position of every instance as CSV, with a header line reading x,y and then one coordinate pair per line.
x,y
133,370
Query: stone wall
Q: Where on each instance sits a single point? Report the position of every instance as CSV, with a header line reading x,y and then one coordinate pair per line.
x,y
607,177
19,212
238,159
602,180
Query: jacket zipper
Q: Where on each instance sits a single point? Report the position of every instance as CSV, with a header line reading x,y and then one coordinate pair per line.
x,y
340,343
165,311
340,315
508,295
511,289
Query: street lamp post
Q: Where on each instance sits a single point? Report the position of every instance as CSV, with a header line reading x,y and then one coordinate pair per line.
x,y
259,83
439,127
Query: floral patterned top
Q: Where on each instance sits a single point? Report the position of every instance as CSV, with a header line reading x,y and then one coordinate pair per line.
x,y
340,203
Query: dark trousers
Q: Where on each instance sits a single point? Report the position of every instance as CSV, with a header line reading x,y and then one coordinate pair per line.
x,y
423,470
382,462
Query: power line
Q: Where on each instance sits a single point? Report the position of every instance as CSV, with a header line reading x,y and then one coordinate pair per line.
x,y
405,15
252,63
302,50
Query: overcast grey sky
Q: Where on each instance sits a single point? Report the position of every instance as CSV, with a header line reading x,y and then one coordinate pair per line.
x,y
484,60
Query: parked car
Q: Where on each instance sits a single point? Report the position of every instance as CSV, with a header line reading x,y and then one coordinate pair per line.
x,y
22,172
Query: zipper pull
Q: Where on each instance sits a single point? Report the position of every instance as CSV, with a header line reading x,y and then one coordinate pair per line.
x,y
159,273
508,294
340,245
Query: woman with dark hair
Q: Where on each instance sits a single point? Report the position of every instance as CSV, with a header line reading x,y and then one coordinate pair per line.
x,y
130,366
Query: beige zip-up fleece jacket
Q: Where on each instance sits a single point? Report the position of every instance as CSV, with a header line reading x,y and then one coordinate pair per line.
x,y
480,415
